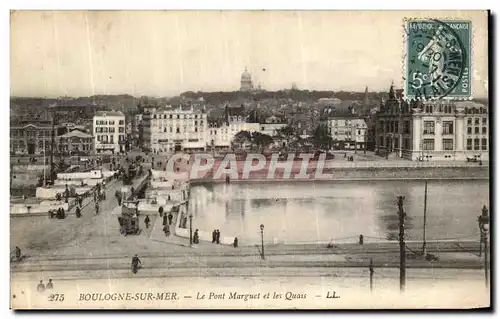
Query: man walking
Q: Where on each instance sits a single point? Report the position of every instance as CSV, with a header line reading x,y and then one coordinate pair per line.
x,y
40,287
146,221
170,217
214,236
218,237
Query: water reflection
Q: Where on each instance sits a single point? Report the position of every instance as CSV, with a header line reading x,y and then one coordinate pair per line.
x,y
341,211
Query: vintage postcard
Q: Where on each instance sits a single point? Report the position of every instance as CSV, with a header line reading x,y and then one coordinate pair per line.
x,y
249,160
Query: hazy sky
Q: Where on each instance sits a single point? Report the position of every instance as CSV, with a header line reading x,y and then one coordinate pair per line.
x,y
161,53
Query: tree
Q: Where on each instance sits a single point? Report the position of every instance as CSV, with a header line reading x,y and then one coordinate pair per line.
x,y
241,138
321,137
286,132
261,141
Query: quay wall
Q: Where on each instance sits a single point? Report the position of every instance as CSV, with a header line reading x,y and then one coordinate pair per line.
x,y
359,173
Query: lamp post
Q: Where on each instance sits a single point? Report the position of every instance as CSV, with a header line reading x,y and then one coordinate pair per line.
x,y
190,230
484,223
262,240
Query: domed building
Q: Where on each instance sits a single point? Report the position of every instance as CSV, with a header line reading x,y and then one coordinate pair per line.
x,y
246,81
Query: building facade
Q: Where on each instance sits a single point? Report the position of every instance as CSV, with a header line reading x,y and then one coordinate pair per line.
x,y
30,137
75,143
435,130
174,129
109,132
347,132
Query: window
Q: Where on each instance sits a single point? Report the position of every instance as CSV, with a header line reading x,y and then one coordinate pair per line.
x,y
484,144
111,122
484,120
121,130
476,121
447,127
111,139
196,129
406,143
111,130
170,129
177,130
428,144
406,127
170,116
396,127
469,144
476,144
476,130
484,129
469,121
121,122
469,130
178,116
429,127
448,144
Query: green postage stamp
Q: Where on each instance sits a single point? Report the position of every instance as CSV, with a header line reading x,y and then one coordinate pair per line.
x,y
438,59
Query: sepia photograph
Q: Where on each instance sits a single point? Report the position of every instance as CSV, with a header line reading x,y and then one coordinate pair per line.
x,y
230,159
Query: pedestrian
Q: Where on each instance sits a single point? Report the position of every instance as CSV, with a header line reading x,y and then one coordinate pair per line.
x,y
50,285
217,238
18,253
166,230
196,237
235,242
40,287
146,221
80,201
214,236
160,211
78,213
170,217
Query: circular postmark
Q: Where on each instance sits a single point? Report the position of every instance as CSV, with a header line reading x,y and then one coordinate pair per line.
x,y
436,59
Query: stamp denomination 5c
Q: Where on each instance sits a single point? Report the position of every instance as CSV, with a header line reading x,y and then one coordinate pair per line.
x,y
438,59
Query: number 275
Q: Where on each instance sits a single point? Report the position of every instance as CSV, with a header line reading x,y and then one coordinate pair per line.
x,y
56,297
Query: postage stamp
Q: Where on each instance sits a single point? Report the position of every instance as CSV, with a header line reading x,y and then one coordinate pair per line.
x,y
438,59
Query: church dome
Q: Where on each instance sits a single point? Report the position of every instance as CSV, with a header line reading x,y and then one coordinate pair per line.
x,y
246,76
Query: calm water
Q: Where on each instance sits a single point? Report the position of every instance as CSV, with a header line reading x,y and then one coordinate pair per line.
x,y
312,212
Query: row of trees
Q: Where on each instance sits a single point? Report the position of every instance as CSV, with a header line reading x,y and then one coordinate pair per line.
x,y
296,95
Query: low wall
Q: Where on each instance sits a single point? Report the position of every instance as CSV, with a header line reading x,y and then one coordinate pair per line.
x,y
364,173
40,208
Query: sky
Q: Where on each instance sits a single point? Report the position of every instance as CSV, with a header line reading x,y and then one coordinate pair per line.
x,y
164,53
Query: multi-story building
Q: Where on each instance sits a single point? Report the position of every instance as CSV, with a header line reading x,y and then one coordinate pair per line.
x,y
174,129
347,131
222,131
271,126
109,132
75,143
434,130
30,137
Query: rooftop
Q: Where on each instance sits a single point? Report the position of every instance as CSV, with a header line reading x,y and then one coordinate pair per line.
x,y
76,133
108,113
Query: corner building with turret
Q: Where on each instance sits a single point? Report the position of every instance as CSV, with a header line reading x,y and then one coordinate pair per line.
x,y
432,130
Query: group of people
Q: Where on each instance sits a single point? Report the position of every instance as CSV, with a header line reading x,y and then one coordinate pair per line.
x,y
216,236
41,287
59,213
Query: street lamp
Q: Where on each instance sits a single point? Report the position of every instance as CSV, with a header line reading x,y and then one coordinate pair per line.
x,y
484,225
190,229
262,240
